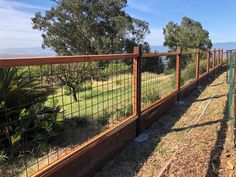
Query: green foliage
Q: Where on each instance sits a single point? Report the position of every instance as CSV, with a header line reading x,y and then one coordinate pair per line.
x,y
89,27
76,76
3,158
150,96
25,97
112,69
188,35
153,65
188,73
104,118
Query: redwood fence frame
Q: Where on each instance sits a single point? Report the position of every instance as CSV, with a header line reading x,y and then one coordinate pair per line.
x,y
87,158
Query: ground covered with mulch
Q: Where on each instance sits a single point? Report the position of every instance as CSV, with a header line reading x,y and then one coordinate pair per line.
x,y
192,139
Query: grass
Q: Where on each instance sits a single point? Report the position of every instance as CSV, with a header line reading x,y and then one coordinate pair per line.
x,y
112,95
105,103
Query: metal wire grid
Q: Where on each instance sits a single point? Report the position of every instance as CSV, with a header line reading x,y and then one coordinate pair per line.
x,y
158,79
188,68
48,118
202,63
211,61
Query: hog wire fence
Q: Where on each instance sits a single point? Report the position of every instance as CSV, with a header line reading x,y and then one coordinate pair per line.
x,y
51,105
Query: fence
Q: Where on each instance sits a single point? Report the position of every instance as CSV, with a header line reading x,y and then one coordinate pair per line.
x,y
232,89
55,110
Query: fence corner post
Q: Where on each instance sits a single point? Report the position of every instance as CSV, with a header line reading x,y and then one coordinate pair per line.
x,y
137,51
178,71
208,61
197,64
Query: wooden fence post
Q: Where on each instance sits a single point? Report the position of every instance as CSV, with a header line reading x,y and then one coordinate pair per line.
x,y
137,86
208,61
222,56
197,64
178,70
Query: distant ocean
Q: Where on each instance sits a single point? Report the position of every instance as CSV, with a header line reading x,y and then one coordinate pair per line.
x,y
38,51
223,45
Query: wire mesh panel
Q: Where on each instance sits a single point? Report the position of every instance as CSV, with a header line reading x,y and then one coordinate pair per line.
x,y
202,62
158,79
188,68
211,61
224,60
217,58
46,111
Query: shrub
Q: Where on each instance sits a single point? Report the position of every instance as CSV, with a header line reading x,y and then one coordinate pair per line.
x,y
188,73
104,118
150,97
22,102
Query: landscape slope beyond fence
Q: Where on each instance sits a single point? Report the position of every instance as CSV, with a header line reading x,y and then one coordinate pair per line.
x,y
59,115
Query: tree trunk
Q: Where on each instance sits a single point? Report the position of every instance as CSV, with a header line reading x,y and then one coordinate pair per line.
x,y
74,93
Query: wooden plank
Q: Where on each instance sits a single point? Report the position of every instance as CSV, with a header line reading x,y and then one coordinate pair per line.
x,y
14,62
137,86
178,69
150,55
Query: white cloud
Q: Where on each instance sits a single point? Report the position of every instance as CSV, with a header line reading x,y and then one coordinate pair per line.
x,y
16,26
155,37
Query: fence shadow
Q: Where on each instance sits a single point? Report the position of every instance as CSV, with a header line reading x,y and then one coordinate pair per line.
x,y
214,162
129,162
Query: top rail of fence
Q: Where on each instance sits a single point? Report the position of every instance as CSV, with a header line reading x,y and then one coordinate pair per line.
x,y
29,61
46,60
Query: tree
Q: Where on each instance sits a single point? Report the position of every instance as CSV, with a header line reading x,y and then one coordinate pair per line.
x,y
89,27
188,35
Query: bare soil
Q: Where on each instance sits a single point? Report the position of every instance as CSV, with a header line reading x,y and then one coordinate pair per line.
x,y
194,139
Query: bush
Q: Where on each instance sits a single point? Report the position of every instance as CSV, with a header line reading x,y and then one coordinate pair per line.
x,y
104,119
150,97
188,73
153,65
22,102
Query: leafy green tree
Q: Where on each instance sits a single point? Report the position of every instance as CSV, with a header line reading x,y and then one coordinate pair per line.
x,y
188,35
89,27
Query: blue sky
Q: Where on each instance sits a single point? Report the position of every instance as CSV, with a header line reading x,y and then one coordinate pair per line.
x,y
216,16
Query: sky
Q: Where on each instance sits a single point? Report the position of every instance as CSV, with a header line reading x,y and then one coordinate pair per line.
x,y
216,16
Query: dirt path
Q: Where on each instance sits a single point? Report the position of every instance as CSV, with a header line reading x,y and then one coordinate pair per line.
x,y
197,132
